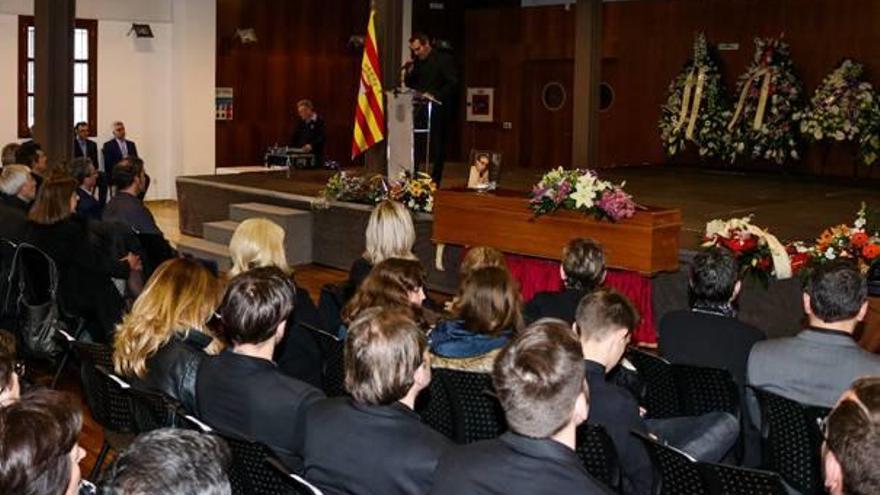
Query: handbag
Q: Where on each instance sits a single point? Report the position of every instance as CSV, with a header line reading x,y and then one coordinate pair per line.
x,y
38,323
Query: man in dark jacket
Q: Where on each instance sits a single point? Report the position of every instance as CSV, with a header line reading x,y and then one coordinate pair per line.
x,y
582,270
433,73
309,134
116,149
83,147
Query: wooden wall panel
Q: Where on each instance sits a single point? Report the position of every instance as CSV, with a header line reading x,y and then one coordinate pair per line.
x,y
301,52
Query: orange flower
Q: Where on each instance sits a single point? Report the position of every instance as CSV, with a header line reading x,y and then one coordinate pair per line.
x,y
859,239
871,251
825,238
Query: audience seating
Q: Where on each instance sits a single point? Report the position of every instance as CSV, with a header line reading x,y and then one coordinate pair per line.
x,y
596,450
661,397
791,440
476,413
152,410
435,407
295,482
731,480
333,359
7,282
251,473
111,408
330,304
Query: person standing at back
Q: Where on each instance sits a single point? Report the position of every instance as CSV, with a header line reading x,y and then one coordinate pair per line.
x,y
309,133
83,147
116,149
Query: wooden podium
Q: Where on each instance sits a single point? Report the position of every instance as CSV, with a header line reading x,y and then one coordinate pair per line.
x,y
646,243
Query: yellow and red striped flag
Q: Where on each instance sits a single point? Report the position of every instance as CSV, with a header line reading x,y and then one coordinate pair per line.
x,y
369,116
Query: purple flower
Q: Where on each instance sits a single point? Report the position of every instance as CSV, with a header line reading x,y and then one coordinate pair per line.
x,y
617,204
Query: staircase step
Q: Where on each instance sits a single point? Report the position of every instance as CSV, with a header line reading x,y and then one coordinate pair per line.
x,y
219,232
206,250
297,225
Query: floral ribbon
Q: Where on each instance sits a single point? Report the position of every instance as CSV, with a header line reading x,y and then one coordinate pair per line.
x,y
781,261
762,99
695,85
685,102
698,95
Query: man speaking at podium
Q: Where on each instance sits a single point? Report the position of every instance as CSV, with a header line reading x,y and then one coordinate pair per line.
x,y
309,133
432,72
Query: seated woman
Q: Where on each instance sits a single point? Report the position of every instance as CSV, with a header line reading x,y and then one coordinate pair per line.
x,y
393,283
161,342
486,314
390,234
84,271
257,243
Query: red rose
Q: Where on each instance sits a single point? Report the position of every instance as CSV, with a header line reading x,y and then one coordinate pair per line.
x,y
799,261
740,244
871,251
859,239
763,264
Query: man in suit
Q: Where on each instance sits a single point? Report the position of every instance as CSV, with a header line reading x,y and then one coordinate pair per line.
x,y
126,207
852,441
241,391
539,381
389,367
709,334
17,190
432,72
83,171
116,149
582,270
85,147
309,133
819,363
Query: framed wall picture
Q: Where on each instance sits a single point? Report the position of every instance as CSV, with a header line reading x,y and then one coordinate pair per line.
x,y
485,169
480,104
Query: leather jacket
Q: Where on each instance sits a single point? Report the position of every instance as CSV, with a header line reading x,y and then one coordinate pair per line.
x,y
172,370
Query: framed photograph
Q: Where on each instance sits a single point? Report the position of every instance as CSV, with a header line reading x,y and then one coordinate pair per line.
x,y
480,104
484,172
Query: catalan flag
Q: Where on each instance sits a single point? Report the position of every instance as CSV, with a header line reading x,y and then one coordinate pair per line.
x,y
369,116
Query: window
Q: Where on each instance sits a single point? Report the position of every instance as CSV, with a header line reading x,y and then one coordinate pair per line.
x,y
85,74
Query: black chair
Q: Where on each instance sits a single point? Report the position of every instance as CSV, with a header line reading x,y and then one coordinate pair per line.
x,y
661,395
676,473
791,440
702,390
330,304
333,359
732,480
435,408
152,410
250,473
111,407
476,412
295,482
597,453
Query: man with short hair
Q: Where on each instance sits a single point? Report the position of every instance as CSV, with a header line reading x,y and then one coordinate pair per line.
x,y
241,391
31,154
83,147
582,269
816,365
126,206
538,378
7,156
17,191
709,334
170,460
83,171
387,365
309,133
114,150
851,449
605,320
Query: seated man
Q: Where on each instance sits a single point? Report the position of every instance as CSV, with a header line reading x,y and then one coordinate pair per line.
x,y
819,363
83,147
241,391
309,133
709,334
387,364
582,270
605,320
126,207
83,171
539,381
170,460
17,191
852,441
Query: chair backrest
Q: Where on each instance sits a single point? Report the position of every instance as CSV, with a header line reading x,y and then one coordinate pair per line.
x,y
596,451
330,304
333,359
115,410
435,408
723,479
249,473
702,390
476,412
661,397
297,483
676,472
791,440
152,410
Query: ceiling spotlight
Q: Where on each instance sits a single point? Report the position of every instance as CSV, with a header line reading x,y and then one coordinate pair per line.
x,y
140,31
246,35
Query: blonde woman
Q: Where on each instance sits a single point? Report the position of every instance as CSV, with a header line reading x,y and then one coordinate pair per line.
x,y
257,243
162,341
390,234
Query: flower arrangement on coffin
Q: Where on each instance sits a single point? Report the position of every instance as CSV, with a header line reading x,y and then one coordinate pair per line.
x,y
845,108
416,192
758,253
764,123
581,190
696,109
857,242
343,186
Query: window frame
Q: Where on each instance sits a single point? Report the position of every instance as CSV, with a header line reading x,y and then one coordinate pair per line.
x,y
91,26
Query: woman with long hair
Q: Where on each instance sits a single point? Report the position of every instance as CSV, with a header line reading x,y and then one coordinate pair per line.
x,y
162,340
486,313
257,243
390,234
85,272
393,283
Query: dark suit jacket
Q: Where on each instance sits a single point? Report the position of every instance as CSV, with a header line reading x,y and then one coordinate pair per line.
x,y
91,151
250,397
514,465
354,448
298,354
613,407
112,155
436,74
130,211
562,305
13,223
88,207
311,132
710,340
